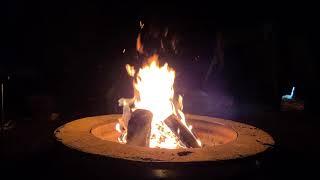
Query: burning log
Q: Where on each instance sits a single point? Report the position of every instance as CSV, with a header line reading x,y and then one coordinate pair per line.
x,y
182,132
139,128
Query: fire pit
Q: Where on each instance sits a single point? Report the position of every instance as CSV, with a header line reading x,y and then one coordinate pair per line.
x,y
221,139
153,127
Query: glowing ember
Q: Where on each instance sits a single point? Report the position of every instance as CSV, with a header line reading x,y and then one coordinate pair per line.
x,y
153,87
139,44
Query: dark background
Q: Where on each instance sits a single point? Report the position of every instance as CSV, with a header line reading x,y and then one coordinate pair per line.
x,y
66,58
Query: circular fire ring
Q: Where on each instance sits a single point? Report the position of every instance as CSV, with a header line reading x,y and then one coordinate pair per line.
x,y
221,139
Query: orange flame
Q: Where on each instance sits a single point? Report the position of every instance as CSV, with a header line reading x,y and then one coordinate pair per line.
x,y
154,91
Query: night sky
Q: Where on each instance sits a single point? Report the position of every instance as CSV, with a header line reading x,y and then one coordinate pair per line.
x,y
74,49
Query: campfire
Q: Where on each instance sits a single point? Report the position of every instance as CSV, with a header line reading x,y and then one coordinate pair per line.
x,y
154,117
153,127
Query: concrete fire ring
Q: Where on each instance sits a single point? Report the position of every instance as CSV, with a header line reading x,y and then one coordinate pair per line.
x,y
222,140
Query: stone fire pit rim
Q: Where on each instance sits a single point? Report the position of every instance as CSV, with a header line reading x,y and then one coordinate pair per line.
x,y
77,135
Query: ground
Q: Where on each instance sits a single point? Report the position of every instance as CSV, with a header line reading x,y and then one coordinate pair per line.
x,y
30,150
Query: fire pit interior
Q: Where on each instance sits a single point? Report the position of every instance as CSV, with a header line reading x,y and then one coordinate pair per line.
x,y
210,133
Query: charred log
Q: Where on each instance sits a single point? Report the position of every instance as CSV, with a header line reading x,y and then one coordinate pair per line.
x,y
139,128
184,135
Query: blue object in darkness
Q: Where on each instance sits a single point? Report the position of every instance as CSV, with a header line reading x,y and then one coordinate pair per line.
x,y
289,96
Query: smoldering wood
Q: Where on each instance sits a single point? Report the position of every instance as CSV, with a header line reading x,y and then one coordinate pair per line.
x,y
182,132
139,128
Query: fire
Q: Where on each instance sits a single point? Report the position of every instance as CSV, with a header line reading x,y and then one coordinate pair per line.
x,y
154,91
139,45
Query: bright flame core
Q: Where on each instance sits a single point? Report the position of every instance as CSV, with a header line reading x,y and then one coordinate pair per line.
x,y
155,87
154,91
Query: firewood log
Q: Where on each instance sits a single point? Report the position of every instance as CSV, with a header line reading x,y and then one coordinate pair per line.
x,y
185,136
139,128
